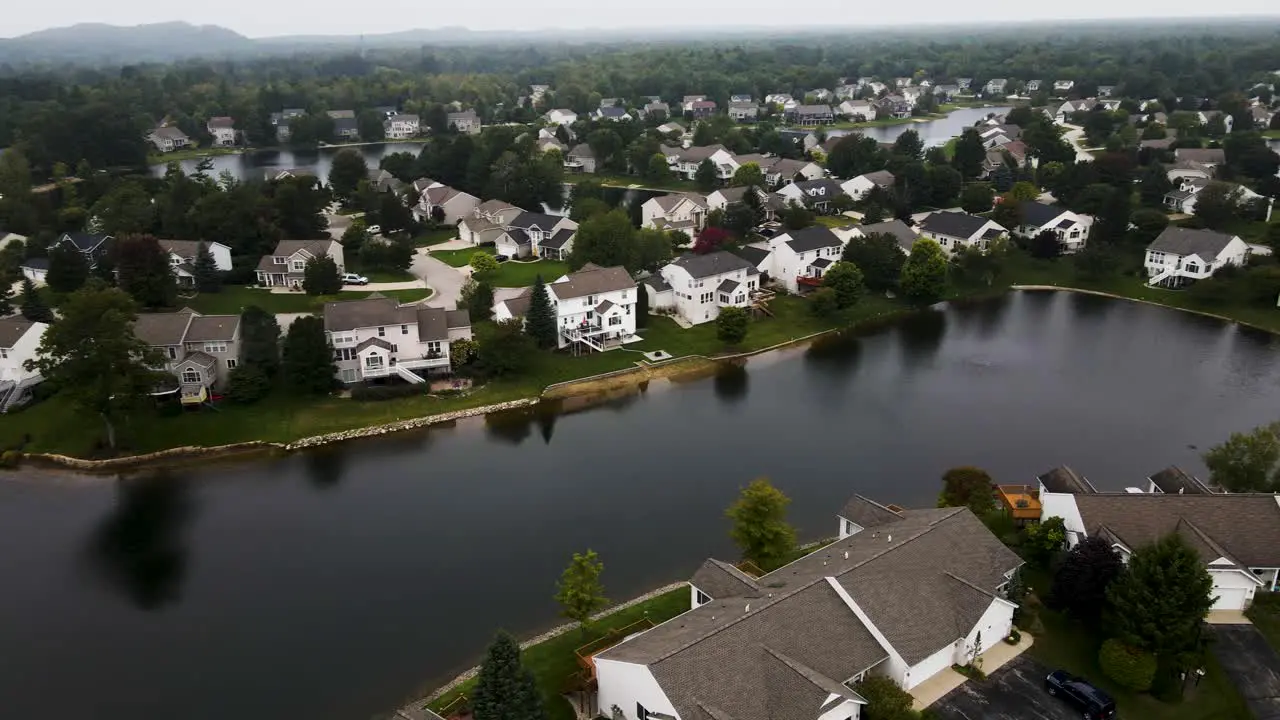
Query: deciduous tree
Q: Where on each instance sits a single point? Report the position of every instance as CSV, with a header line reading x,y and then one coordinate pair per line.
x,y
748,175
969,487
505,349
1247,462
483,262
579,591
760,527
1218,204
845,278
970,152
924,274
307,364
606,240
977,198
732,325
320,276
346,172
879,257
1044,540
477,297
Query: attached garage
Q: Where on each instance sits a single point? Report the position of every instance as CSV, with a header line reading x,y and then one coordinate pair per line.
x,y
1230,598
1233,588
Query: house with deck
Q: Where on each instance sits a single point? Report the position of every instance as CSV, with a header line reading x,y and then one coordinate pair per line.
x,y
800,258
697,286
686,212
378,338
402,126
903,234
1181,256
168,138
689,159
1071,228
530,234
818,195
957,230
581,158
811,115
594,308
905,596
287,265
450,203
19,341
222,130
198,352
182,258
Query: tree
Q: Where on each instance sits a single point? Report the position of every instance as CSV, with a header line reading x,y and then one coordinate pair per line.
x,y
1153,185
354,237
259,340
823,303
657,169
845,278
885,699
1045,539
1159,603
1218,204
208,277
732,325
540,320
879,257
1007,213
1022,192
970,153
144,271
320,276
977,198
346,172
247,384
126,208
642,306
924,274
393,214
748,175
483,262
1045,245
505,689
92,353
477,297
505,349
6,298
760,527
579,591
710,239
1080,585
796,216
908,144
969,487
854,155
605,240
1147,223
307,363
31,306
944,184
705,177
68,269
1131,668
1247,462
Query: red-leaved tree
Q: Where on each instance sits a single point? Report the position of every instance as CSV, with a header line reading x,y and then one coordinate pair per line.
x,y
710,240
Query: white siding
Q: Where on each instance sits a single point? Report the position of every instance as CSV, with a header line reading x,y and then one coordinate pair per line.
x,y
994,625
1233,589
930,666
847,710
1062,505
625,685
11,367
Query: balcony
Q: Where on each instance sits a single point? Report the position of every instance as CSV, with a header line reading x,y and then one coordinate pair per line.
x,y
435,360
1020,501
577,332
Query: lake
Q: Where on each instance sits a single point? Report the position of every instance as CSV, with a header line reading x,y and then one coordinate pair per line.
x,y
330,585
254,164
933,132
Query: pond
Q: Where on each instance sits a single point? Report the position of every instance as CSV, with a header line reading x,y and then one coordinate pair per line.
x,y
330,585
933,132
254,164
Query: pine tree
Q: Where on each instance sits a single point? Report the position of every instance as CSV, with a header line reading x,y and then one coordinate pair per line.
x,y
144,271
68,269
31,305
308,357
208,277
540,321
260,340
642,307
505,689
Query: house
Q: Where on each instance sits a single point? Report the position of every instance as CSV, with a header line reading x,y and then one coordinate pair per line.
x,y
656,109
378,337
818,195
383,181
679,211
1176,481
1207,116
701,108
497,212
285,266
1033,86
744,111
182,258
1261,117
35,269
688,160
964,84
274,174
1062,86
810,115
1064,112
908,595
673,129
903,233
401,126
537,92
1196,162
801,257
19,340
999,135
858,187
280,121
537,235
455,204
1237,535
611,114
581,159
954,230
345,126
723,198
168,138
856,110
847,91
741,99
995,86
223,131
803,140
560,116
594,308
943,93
893,106
547,144
1071,228
779,100
820,95
1183,199
1179,256
780,171
465,122
199,351
93,246
697,286
1106,91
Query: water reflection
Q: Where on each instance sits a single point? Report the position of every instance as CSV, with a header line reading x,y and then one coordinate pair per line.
x,y
510,426
920,335
731,381
547,411
325,467
983,317
139,549
835,355
1090,306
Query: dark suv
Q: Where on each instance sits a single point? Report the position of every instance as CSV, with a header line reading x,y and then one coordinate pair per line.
x,y
1094,703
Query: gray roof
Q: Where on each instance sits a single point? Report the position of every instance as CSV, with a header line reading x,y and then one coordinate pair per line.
x,y
1065,480
953,224
162,329
812,238
181,248
883,178
1185,241
592,280
12,329
36,263
458,319
720,581
433,323
559,240
170,132
542,221
821,188
1039,214
657,282
728,286
821,262
716,263
370,312
1204,156
901,232
812,110
374,342
205,328
221,122
753,255
1176,481
698,153
84,241
669,202
868,513
345,125
317,248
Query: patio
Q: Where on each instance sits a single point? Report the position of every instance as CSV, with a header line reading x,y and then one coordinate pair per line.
x,y
998,655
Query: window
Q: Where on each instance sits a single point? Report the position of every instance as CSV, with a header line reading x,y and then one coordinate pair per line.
x,y
173,353
702,598
298,266
433,346
615,320
590,315
724,298
345,354
277,260
591,300
4,353
382,331
348,376
641,713
215,347
1192,267
374,362
231,363
191,375
404,329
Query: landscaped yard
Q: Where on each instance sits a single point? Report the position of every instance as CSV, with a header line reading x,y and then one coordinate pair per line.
x,y
384,276
835,221
434,237
461,258
233,299
190,153
523,274
676,184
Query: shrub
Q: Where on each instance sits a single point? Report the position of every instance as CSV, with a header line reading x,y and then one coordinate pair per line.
x,y
1130,667
385,392
885,700
970,671
10,459
248,384
1014,636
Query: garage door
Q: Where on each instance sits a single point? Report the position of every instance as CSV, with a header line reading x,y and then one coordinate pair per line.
x,y
1229,598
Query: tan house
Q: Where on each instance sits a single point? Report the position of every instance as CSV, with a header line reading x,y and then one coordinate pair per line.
x,y
285,267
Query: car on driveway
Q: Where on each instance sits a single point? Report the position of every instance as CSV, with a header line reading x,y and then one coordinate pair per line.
x,y
354,279
1089,700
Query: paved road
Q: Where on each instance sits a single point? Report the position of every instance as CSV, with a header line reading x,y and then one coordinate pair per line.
x,y
446,281
1252,665
1014,692
1074,135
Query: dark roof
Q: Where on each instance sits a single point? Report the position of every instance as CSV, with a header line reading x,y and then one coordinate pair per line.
x,y
728,286
205,328
374,342
1175,481
902,232
542,221
162,329
592,282
613,112
1065,480
458,319
1039,214
753,255
953,224
1204,156
370,312
1185,241
820,188
12,329
201,358
657,282
36,263
812,238
559,240
1066,223
716,263
868,513
84,241
1245,525
433,324
821,262
345,124
519,305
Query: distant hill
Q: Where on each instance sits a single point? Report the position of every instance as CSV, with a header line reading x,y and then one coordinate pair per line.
x,y
99,43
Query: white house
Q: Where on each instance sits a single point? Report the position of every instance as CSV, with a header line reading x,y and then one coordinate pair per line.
x,y
1071,228
182,257
856,110
1237,535
378,337
537,235
818,195
560,116
285,266
858,187
697,286
455,204
36,270
401,126
594,308
466,122
1061,86
1183,199
1205,116
688,160
168,138
1179,256
19,339
223,131
722,198
679,211
905,597
802,257
954,230
779,171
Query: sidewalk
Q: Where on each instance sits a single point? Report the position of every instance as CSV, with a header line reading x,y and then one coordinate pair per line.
x,y
371,287
933,689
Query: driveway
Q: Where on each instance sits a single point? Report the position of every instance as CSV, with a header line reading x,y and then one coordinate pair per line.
x,y
1074,135
446,281
1252,665
1014,692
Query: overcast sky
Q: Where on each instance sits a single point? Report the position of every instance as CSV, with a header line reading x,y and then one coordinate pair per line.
x,y
258,19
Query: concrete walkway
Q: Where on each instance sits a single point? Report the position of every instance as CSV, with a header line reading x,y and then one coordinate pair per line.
x,y
371,287
1074,135
445,281
998,655
454,244
1227,617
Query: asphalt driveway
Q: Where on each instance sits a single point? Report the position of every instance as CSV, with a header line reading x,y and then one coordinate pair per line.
x,y
1252,665
1014,692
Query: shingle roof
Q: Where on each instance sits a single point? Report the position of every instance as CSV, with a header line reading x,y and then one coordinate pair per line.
x,y
542,221
161,329
1039,214
200,358
669,202
317,248
657,282
559,240
901,232
204,328
698,153
1176,481
85,241
753,255
221,122
882,178
592,282
1185,241
181,248
953,224
370,312
36,263
374,342
812,238
12,329
1065,480
716,263
433,324
728,286
868,513
1204,156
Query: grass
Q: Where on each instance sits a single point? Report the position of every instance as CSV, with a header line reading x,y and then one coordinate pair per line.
x,y
626,181
835,221
434,237
523,274
461,258
384,276
553,663
233,299
190,153
1272,134
1265,615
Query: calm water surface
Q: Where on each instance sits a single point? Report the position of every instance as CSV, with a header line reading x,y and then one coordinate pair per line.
x,y
253,165
330,585
932,132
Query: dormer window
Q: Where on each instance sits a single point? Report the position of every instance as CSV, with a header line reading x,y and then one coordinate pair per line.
x,y
277,260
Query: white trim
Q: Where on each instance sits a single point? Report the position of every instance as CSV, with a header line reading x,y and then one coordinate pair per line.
x,y
866,620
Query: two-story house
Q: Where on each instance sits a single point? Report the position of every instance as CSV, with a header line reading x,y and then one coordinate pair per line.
x,y
1181,256
280,121
686,212
957,230
688,160
345,126
560,116
1071,228
94,246
168,138
858,187
779,171
656,109
856,110
800,258
182,258
454,204
1062,86
286,266
222,130
487,222
995,86
746,111
378,337
402,126
199,351
817,195
697,286
466,122
19,340
537,235
581,158
811,115
724,198
594,308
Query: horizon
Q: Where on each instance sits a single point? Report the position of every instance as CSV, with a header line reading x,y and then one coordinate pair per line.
x,y
602,20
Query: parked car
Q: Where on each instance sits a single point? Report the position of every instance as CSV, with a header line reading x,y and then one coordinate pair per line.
x,y
354,279
1077,692
374,229
501,258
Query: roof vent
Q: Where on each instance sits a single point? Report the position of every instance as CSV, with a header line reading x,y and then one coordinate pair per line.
x,y
890,538
846,554
748,608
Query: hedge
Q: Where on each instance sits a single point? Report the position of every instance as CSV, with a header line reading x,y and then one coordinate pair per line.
x,y
386,392
1131,667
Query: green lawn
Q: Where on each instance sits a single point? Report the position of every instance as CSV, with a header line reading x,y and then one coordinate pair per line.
x,y
233,299
461,258
523,274
435,237
835,221
1265,614
613,180
384,276
1272,134
190,153
553,663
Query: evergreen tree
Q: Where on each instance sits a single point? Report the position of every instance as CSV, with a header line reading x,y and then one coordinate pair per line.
x,y
320,277
1080,585
308,357
706,177
260,340
505,689
31,305
208,277
540,321
642,307
144,271
68,269
477,298
760,527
